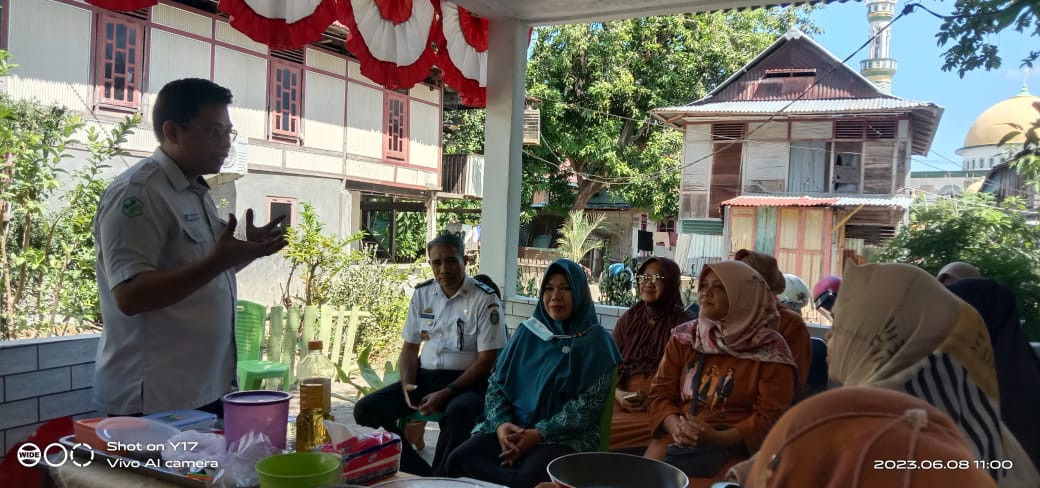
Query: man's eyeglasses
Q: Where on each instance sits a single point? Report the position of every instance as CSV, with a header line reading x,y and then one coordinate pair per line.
x,y
651,278
218,132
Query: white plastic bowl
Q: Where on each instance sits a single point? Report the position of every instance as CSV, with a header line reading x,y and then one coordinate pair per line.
x,y
134,434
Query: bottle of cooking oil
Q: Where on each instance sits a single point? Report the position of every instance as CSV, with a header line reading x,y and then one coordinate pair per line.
x,y
315,368
310,431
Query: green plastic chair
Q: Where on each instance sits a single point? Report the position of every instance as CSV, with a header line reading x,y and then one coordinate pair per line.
x,y
249,333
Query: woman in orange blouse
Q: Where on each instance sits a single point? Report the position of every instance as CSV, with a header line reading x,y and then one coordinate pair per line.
x,y
736,336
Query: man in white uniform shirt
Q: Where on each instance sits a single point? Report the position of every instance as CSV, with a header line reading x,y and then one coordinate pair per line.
x,y
460,321
166,264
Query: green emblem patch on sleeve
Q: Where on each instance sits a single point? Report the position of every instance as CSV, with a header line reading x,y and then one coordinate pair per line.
x,y
494,317
132,207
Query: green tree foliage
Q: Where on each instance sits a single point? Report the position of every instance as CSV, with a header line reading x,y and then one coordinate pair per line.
x,y
576,236
319,257
47,255
597,83
974,24
975,229
464,131
1026,159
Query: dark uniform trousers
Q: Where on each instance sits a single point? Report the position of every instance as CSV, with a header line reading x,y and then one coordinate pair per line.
x,y
385,407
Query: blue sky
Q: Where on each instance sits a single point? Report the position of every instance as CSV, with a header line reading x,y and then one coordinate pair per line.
x,y
920,75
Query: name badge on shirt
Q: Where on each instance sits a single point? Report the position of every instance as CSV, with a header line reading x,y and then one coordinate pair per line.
x,y
192,217
427,319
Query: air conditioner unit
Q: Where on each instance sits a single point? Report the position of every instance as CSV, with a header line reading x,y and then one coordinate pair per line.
x,y
236,165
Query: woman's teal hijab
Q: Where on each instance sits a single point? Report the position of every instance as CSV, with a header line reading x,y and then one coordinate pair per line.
x,y
538,377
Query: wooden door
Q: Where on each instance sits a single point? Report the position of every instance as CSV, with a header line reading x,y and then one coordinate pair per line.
x,y
803,242
741,229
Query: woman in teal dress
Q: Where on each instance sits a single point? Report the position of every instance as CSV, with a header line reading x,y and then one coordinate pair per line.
x,y
546,395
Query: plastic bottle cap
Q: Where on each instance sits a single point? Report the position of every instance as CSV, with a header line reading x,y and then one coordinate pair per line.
x,y
314,345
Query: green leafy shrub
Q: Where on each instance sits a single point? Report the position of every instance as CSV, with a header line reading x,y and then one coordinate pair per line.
x,y
616,290
974,228
382,289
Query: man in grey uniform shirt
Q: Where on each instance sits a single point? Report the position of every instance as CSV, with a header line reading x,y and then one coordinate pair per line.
x,y
166,264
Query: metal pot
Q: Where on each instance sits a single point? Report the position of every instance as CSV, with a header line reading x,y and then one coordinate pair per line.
x,y
614,470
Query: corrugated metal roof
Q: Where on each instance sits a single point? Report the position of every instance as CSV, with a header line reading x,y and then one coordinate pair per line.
x,y
768,201
903,202
798,107
807,201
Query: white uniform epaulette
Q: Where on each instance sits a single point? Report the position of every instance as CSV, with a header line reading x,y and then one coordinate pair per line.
x,y
427,282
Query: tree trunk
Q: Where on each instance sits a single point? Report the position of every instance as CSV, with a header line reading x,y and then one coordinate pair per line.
x,y
586,190
21,271
6,269
57,293
5,266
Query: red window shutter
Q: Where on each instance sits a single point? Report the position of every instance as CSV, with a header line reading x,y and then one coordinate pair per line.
x,y
119,61
395,133
285,100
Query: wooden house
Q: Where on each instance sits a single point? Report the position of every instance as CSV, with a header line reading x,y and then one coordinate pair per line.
x,y
799,156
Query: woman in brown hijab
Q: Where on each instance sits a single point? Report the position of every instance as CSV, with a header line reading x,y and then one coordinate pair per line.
x,y
640,334
791,325
860,437
735,333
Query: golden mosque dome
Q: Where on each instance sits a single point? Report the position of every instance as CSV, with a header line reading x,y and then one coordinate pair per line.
x,y
991,126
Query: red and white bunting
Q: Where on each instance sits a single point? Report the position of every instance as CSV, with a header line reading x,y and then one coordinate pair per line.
x,y
281,24
123,5
392,39
463,55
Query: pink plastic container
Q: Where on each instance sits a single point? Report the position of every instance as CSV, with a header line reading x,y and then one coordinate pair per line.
x,y
260,410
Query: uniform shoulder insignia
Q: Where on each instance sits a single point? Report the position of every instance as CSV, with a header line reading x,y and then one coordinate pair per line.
x,y
482,286
427,282
145,172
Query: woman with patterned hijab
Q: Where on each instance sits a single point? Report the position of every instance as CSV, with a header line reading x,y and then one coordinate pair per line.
x,y
791,324
898,328
860,437
640,334
546,393
736,335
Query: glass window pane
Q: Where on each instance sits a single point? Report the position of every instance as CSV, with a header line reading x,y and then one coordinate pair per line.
x,y
120,62
120,87
121,35
108,90
108,71
278,209
133,36
108,52
109,30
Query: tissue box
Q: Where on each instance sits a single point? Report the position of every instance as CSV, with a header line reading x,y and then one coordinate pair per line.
x,y
368,457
